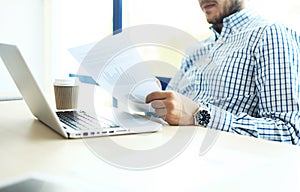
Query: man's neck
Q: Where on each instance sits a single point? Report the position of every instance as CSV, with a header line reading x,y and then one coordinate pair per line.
x,y
218,27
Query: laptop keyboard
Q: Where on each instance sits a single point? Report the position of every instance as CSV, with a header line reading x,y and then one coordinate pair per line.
x,y
80,120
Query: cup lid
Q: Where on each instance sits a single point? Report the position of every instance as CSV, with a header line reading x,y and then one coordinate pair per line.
x,y
64,82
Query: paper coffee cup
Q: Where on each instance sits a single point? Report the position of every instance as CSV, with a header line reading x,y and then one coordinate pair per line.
x,y
66,94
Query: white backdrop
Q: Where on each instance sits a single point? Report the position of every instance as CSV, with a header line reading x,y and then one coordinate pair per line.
x,y
21,23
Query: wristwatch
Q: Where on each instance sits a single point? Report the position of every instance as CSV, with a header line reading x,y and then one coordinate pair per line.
x,y
202,116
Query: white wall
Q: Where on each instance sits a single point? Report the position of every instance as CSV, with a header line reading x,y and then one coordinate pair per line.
x,y
22,24
286,12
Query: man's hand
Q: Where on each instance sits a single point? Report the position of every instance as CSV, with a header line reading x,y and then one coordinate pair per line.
x,y
173,107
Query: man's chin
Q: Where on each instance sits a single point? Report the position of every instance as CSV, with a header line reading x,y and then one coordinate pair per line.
x,y
214,20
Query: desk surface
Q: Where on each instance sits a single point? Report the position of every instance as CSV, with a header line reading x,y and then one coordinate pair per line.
x,y
235,163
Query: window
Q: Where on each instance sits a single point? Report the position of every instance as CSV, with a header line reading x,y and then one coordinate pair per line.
x,y
22,24
184,14
75,23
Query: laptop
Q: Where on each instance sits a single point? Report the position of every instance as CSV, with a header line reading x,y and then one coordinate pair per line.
x,y
74,123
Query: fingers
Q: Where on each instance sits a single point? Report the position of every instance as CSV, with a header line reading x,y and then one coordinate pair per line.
x,y
161,112
172,107
158,95
164,104
158,104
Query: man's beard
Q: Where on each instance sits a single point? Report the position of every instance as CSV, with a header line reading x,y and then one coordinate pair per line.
x,y
235,7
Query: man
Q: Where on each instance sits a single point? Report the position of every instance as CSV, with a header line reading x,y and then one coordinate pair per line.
x,y
244,79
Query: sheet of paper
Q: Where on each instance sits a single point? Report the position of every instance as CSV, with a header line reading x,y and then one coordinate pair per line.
x,y
120,72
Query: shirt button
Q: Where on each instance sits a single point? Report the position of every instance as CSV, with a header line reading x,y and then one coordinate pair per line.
x,y
234,30
197,82
220,41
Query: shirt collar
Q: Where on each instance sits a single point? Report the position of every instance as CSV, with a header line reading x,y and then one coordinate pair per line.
x,y
235,21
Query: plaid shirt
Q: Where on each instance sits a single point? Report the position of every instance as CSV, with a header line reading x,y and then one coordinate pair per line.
x,y
249,77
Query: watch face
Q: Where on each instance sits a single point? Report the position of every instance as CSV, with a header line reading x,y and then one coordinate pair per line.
x,y
202,117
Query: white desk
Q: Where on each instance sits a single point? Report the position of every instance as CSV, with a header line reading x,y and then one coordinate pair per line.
x,y
234,163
